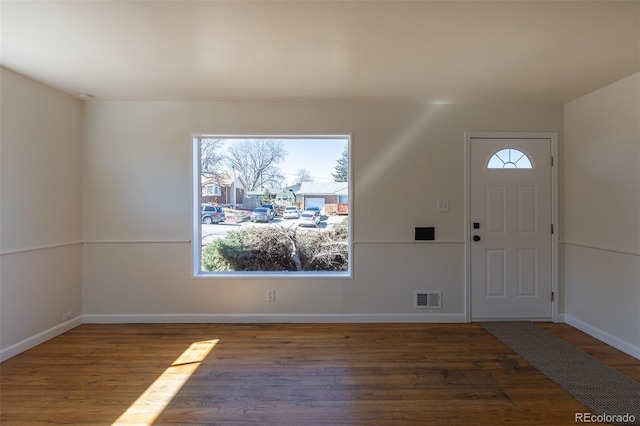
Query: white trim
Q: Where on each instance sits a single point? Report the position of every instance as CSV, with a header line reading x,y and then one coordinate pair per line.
x,y
195,200
269,275
602,248
217,191
196,192
511,135
272,318
138,242
555,220
39,338
36,248
411,242
553,138
467,225
57,330
603,336
182,241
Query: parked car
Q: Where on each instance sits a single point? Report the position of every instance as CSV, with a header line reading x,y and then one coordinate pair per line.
x,y
291,212
272,210
260,214
309,218
314,209
212,214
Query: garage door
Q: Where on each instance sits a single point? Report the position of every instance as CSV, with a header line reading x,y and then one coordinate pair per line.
x,y
314,202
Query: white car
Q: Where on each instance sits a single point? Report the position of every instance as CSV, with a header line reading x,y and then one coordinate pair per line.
x,y
291,212
309,218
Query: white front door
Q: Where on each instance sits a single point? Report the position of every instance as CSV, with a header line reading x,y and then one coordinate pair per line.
x,y
511,228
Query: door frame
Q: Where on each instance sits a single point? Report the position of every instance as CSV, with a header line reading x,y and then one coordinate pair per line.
x,y
553,137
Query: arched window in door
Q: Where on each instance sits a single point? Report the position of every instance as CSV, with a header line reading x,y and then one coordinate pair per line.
x,y
509,159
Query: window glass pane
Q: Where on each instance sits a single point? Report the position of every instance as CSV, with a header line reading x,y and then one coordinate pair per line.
x,y
524,163
261,177
509,159
504,155
495,163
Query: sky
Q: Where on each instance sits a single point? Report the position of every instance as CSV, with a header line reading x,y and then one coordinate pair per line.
x,y
318,156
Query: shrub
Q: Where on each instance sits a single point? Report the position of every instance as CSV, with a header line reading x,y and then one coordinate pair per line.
x,y
276,248
269,249
224,254
324,251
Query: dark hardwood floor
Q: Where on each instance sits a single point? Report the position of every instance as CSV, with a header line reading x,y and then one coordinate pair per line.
x,y
288,374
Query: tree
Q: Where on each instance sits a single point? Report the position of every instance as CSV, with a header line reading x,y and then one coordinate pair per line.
x,y
303,175
212,162
342,168
266,196
256,162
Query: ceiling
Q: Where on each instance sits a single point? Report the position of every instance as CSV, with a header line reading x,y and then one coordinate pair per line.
x,y
419,51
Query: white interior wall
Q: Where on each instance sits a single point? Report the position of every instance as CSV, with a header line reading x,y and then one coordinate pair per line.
x,y
136,258
41,162
602,213
137,208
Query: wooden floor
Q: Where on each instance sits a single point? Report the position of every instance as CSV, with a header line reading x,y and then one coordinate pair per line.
x,y
288,374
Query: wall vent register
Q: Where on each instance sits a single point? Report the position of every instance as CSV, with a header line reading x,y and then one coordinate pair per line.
x,y
428,299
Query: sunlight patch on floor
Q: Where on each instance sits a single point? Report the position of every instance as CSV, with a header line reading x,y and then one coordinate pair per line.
x,y
146,409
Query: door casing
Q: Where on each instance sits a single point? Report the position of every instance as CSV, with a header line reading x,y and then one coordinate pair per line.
x,y
469,138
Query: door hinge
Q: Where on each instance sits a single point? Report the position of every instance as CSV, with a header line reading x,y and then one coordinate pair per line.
x,y
552,229
552,161
552,296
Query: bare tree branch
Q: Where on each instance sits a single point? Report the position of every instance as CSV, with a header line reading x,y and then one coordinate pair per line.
x,y
212,162
256,161
303,175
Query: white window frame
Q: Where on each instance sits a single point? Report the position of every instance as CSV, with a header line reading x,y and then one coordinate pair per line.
x,y
196,227
216,191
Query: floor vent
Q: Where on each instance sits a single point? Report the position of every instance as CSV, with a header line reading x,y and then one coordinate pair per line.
x,y
428,299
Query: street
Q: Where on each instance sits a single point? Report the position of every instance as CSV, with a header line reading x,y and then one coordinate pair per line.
x,y
220,230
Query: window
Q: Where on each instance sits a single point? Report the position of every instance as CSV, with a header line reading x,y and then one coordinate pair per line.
x,y
509,159
250,234
212,190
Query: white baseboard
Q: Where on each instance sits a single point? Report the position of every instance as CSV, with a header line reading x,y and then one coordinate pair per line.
x,y
42,337
39,338
272,318
607,338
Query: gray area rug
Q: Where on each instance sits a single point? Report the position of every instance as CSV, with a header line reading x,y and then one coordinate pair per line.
x,y
603,389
